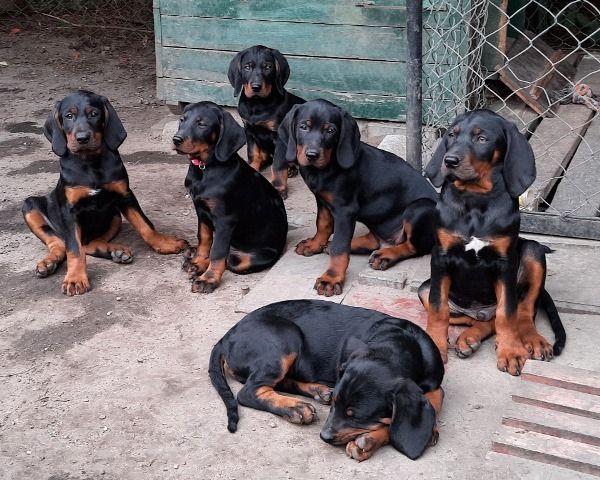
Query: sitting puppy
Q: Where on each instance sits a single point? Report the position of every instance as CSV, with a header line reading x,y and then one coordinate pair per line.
x,y
242,224
83,213
353,181
381,374
482,273
259,74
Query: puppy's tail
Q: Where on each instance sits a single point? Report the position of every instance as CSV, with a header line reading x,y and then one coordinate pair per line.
x,y
217,378
560,335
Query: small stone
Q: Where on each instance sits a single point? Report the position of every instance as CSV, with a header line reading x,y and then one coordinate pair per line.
x,y
86,399
102,417
28,452
245,289
105,428
176,466
109,313
272,425
118,299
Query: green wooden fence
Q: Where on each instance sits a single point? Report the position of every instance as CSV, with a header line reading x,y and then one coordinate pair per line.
x,y
352,53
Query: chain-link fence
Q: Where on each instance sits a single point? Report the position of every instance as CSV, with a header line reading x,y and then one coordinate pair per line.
x,y
109,18
537,63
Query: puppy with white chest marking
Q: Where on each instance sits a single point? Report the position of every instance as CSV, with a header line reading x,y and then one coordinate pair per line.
x,y
482,273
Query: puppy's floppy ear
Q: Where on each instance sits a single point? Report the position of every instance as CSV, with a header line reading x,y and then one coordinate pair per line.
x,y
234,74
413,419
519,161
348,142
433,170
286,137
54,132
114,131
282,70
231,137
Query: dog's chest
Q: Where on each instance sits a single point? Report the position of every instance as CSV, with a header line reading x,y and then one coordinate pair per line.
x,y
476,244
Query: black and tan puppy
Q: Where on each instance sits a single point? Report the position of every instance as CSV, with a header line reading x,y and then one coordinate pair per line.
x,y
482,274
83,213
353,181
381,374
242,224
258,74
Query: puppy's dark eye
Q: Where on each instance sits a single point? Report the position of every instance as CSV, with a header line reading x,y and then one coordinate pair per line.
x,y
248,67
201,124
69,115
181,119
450,134
349,412
481,139
93,113
267,66
330,130
303,126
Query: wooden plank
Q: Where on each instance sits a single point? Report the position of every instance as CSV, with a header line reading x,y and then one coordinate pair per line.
x,y
576,456
528,62
157,38
516,111
382,107
557,424
333,12
570,378
554,143
292,38
494,50
314,73
553,224
579,192
553,398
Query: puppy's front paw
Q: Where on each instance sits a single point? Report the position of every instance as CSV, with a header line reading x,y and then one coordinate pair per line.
x,y
302,414
310,247
204,284
76,284
329,285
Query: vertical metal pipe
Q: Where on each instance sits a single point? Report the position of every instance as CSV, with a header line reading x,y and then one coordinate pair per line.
x,y
414,97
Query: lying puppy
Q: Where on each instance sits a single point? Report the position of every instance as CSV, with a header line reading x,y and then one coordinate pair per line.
x,y
482,273
242,224
83,213
381,374
259,74
353,181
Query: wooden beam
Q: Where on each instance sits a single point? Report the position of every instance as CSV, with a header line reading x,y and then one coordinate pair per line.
x,y
569,378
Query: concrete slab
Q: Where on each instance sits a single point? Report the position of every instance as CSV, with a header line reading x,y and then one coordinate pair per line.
x,y
408,274
293,276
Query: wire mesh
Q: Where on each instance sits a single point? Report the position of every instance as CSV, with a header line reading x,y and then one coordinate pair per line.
x,y
111,18
537,63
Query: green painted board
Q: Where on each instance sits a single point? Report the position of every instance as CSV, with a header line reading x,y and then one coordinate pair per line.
x,y
388,107
312,73
334,12
307,39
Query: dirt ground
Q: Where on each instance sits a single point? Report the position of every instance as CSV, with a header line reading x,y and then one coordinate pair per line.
x,y
113,384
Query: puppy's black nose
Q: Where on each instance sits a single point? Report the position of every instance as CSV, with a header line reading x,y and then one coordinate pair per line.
x,y
256,87
327,436
451,161
177,140
83,137
312,155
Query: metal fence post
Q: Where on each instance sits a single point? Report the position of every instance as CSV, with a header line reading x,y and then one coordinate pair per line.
x,y
414,97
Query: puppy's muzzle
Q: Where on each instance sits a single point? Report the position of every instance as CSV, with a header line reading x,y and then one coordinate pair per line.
x,y
451,161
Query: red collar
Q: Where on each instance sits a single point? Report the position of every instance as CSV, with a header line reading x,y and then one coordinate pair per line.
x,y
198,163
